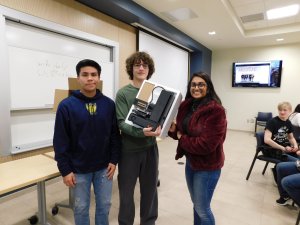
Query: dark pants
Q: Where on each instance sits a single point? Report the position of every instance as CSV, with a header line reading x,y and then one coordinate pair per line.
x,y
288,178
143,166
288,158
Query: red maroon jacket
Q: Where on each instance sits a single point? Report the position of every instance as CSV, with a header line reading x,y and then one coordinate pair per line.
x,y
207,127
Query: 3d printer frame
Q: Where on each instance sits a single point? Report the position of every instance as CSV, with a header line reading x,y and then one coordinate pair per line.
x,y
154,105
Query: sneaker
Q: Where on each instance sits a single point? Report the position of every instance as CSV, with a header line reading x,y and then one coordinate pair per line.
x,y
283,201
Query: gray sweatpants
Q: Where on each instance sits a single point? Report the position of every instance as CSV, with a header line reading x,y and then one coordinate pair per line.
x,y
142,165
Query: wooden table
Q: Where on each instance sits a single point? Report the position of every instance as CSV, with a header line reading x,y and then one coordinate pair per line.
x,y
25,172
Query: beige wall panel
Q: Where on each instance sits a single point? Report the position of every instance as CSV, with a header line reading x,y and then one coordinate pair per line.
x,y
69,13
125,36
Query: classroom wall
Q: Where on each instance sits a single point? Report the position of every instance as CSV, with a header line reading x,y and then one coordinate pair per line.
x,y
75,15
242,104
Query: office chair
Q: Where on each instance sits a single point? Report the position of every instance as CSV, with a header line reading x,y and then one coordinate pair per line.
x,y
262,119
298,217
258,154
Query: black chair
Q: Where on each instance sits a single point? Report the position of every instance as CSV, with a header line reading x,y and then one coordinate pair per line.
x,y
262,119
298,217
258,154
297,134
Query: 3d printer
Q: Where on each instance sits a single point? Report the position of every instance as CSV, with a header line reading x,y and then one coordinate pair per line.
x,y
154,105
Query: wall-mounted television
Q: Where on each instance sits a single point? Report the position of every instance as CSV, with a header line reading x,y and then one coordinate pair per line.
x,y
257,74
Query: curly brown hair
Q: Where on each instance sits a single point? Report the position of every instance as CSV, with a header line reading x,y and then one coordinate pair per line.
x,y
136,58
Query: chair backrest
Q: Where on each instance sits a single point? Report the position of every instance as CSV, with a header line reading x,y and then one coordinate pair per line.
x,y
264,116
259,138
297,133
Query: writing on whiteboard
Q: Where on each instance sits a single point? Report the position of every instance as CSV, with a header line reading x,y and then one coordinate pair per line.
x,y
46,68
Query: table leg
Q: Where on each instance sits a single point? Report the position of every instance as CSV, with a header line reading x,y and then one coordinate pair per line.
x,y
42,203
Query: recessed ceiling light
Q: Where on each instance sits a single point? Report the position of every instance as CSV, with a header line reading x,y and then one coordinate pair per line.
x,y
279,39
212,32
282,12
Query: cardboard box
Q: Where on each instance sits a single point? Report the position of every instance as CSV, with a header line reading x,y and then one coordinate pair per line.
x,y
154,105
60,94
73,84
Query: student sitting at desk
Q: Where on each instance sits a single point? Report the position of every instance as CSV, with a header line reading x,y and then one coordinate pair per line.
x,y
87,144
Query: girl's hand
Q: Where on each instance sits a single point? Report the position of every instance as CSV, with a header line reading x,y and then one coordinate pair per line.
x,y
173,127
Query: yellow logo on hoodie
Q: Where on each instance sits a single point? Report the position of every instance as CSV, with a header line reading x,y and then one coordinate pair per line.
x,y
91,108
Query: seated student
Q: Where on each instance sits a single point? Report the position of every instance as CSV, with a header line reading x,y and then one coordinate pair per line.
x,y
279,136
288,177
295,116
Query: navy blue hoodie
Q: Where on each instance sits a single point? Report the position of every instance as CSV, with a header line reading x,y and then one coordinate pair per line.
x,y
86,134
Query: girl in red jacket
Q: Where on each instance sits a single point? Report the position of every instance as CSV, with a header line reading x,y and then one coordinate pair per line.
x,y
200,130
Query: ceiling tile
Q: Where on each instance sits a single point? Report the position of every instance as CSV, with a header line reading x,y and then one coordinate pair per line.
x,y
224,17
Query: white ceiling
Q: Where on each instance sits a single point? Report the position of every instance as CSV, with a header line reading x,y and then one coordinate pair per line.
x,y
224,17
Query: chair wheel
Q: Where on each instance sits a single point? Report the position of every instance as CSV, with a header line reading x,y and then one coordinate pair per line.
x,y
158,183
33,220
54,210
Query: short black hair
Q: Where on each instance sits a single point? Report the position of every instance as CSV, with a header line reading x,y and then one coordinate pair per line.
x,y
87,62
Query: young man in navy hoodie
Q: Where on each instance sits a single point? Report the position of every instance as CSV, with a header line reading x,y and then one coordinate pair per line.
x,y
87,144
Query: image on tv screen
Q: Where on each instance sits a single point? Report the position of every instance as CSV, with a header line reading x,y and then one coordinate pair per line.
x,y
257,74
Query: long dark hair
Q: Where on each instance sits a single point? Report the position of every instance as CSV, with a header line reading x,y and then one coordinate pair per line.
x,y
210,94
297,109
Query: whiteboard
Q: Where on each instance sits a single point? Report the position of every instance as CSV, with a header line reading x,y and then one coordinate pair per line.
x,y
31,129
171,62
36,57
41,61
38,74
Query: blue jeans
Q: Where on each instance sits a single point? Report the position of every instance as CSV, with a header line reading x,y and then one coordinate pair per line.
x,y
201,185
82,196
291,158
288,178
